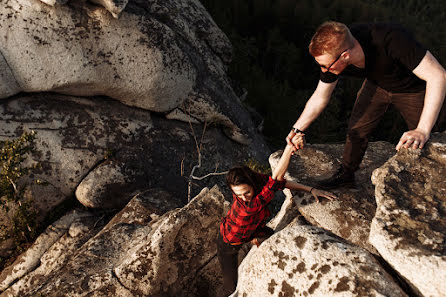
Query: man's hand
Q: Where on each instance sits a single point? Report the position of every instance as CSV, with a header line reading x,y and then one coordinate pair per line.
x,y
296,140
414,139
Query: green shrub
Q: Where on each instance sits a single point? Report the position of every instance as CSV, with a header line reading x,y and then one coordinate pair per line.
x,y
257,166
19,222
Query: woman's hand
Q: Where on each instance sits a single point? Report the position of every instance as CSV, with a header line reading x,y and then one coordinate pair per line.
x,y
321,193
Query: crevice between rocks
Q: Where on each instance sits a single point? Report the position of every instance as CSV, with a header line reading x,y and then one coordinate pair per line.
x,y
92,168
113,273
199,270
12,73
399,280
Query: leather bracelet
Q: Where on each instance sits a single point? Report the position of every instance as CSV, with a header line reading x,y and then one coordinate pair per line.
x,y
295,130
312,188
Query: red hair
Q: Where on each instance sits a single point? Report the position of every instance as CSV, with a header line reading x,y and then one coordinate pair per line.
x,y
331,38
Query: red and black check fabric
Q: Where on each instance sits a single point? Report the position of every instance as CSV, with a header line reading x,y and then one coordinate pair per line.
x,y
243,220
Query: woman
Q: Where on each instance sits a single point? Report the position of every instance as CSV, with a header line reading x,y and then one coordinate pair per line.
x,y
246,219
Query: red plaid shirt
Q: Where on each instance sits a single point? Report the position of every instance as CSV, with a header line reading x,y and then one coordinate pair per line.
x,y
244,218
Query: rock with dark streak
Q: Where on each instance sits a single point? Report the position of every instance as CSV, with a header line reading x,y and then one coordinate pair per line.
x,y
409,228
160,55
150,248
309,261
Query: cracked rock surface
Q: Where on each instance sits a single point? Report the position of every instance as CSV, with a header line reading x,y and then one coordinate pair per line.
x,y
409,228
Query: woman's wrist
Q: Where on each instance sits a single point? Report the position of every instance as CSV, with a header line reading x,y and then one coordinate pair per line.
x,y
311,190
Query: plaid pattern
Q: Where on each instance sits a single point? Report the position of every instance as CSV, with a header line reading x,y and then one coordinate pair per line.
x,y
243,220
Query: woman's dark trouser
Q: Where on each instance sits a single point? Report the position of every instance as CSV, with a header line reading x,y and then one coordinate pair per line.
x,y
371,104
228,258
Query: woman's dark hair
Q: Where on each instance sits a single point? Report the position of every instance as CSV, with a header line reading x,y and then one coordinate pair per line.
x,y
244,175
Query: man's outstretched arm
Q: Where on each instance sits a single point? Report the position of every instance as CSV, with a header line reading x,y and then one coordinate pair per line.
x,y
435,76
314,107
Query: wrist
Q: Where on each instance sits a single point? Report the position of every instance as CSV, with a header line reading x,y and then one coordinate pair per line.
x,y
296,130
311,190
423,130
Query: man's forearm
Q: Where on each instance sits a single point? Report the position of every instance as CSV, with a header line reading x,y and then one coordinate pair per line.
x,y
315,105
309,114
434,74
433,101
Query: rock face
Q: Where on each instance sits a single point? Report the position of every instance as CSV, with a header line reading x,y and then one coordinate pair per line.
x,y
87,57
351,214
105,181
181,245
125,96
143,249
159,56
105,152
154,248
308,261
31,259
409,226
161,61
74,136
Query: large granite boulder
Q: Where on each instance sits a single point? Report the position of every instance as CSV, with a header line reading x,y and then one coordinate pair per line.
x,y
79,49
168,261
160,55
82,260
73,136
308,261
76,223
409,228
351,214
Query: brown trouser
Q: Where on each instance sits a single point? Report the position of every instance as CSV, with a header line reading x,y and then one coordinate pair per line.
x,y
371,104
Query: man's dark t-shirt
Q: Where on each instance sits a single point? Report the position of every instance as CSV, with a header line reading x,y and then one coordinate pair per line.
x,y
391,53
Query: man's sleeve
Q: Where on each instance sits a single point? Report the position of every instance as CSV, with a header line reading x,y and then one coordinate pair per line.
x,y
328,77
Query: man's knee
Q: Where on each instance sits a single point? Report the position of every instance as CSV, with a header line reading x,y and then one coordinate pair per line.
x,y
357,135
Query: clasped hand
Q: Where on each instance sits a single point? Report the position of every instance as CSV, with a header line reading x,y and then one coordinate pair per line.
x,y
297,141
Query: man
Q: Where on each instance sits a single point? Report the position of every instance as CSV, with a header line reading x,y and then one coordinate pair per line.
x,y
397,70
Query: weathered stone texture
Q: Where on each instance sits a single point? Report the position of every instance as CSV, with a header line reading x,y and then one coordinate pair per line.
x,y
308,261
409,226
80,262
168,261
351,214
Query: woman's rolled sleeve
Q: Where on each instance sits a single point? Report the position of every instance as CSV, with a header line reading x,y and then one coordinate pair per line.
x,y
276,185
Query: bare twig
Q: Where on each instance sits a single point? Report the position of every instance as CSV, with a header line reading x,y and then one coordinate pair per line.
x,y
198,147
210,174
13,184
182,167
